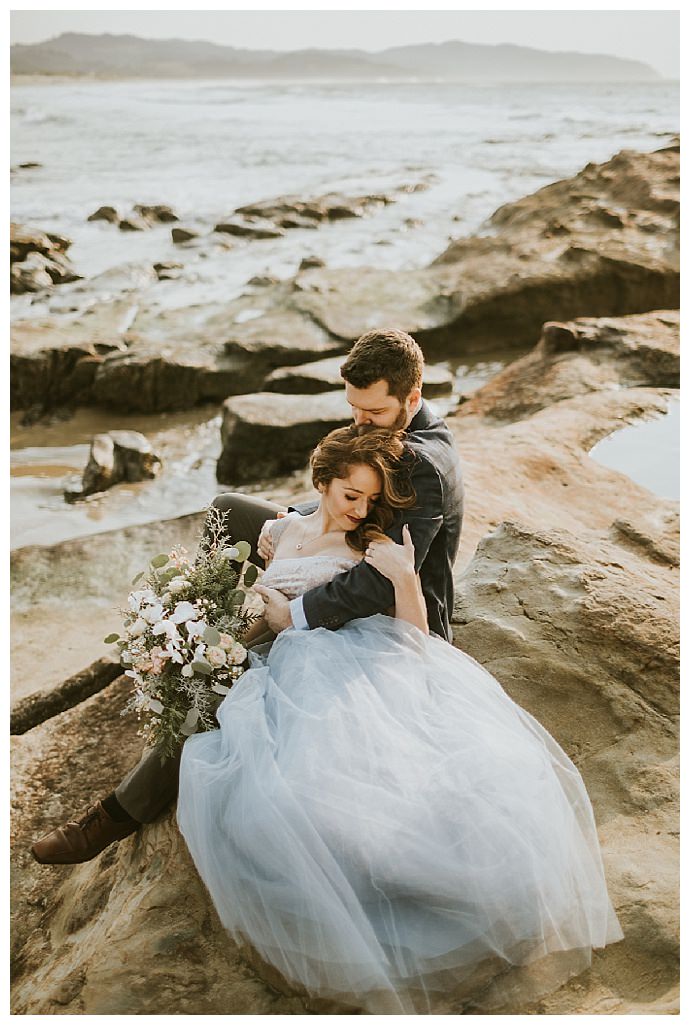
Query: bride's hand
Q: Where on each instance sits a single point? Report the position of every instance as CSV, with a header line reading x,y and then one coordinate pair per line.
x,y
264,545
393,561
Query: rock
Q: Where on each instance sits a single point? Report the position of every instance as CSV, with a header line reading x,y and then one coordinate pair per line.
x,y
53,360
587,354
249,229
133,223
141,218
37,260
31,275
310,262
293,212
324,375
267,435
273,340
346,302
25,240
263,280
501,289
168,271
159,214
44,704
105,213
295,221
183,234
38,272
584,635
116,457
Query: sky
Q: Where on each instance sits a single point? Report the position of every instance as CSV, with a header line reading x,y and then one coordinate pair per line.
x,y
649,36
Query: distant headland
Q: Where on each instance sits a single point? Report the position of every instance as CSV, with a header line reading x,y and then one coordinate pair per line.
x,y
127,56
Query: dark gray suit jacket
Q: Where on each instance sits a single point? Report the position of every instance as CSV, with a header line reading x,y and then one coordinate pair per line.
x,y
435,524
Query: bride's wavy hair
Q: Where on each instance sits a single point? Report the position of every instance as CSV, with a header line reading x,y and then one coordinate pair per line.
x,y
383,451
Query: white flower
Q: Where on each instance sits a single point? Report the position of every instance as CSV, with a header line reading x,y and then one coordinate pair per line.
x,y
226,641
184,610
153,613
173,652
215,656
195,628
144,596
178,585
137,628
167,628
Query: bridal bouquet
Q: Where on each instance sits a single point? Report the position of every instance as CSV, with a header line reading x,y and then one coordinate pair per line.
x,y
182,637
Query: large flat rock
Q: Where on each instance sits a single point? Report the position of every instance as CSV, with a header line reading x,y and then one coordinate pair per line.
x,y
269,434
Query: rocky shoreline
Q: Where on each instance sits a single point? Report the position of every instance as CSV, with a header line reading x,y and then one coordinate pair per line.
x,y
603,243
567,585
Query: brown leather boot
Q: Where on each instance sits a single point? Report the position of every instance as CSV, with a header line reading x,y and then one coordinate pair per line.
x,y
82,840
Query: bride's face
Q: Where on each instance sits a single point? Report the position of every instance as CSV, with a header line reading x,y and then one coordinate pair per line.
x,y
348,500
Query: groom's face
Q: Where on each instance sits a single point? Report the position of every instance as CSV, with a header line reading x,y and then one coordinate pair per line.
x,y
374,405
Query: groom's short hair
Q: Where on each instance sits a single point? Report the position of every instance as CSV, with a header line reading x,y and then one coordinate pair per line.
x,y
390,356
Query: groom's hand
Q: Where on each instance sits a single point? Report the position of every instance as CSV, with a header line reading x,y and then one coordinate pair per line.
x,y
276,608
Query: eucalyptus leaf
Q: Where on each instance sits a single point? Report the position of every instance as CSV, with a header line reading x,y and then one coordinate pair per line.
x,y
159,561
111,638
204,668
219,688
192,717
187,731
169,575
250,575
237,597
211,636
243,550
137,578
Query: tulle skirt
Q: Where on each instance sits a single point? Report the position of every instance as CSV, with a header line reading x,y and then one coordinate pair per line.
x,y
384,825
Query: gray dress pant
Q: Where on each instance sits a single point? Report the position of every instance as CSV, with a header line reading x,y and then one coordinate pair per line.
x,y
152,784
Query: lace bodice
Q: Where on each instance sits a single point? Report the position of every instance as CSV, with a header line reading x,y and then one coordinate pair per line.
x,y
294,576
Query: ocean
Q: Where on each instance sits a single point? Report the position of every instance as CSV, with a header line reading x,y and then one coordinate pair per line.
x,y
207,147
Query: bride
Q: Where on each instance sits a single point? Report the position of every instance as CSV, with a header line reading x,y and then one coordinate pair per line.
x,y
375,815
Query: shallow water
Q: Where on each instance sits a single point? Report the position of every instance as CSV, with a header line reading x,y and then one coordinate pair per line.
x,y
45,457
649,452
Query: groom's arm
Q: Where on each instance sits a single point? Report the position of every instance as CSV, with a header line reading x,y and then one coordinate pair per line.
x,y
363,591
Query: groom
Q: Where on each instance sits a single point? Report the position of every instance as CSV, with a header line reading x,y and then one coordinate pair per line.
x,y
383,380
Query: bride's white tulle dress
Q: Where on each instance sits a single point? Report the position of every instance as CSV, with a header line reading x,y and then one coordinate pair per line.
x,y
381,822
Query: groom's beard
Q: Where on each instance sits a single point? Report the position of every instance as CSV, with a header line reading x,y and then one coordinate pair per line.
x,y
403,416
